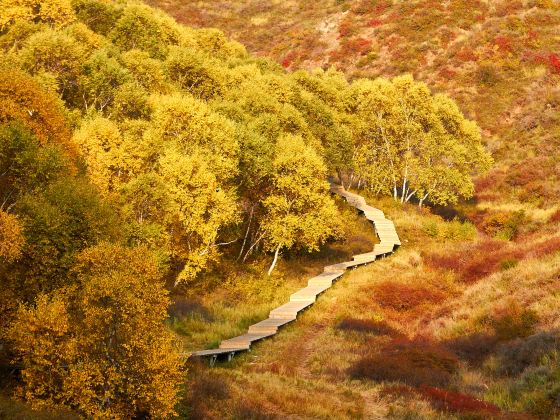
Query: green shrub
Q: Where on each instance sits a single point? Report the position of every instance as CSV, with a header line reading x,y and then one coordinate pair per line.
x,y
508,263
514,322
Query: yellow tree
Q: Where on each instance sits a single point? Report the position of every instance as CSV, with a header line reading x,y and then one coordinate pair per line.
x,y
193,126
11,237
299,211
101,143
412,143
23,100
196,207
54,12
101,346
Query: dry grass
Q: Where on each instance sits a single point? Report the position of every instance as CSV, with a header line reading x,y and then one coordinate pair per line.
x,y
403,321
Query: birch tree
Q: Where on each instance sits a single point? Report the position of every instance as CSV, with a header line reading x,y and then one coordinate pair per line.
x,y
410,143
300,213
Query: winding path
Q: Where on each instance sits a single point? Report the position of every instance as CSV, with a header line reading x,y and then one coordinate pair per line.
x,y
305,297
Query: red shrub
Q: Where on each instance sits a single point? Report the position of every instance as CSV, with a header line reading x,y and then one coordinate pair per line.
x,y
288,59
532,34
412,362
527,171
466,54
547,247
504,43
404,297
363,7
358,45
374,23
366,326
346,28
447,73
472,263
554,63
456,402
381,7
555,218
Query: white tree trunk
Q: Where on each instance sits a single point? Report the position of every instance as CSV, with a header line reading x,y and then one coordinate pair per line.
x,y
274,261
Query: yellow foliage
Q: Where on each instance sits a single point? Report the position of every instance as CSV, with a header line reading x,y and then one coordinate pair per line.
x,y
23,100
101,347
11,237
54,12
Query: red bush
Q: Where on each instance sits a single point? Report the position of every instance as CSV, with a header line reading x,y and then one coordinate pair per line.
x,y
374,23
466,54
552,60
532,35
555,217
404,297
447,73
456,402
527,171
554,63
288,59
346,28
546,247
412,362
474,262
504,43
358,45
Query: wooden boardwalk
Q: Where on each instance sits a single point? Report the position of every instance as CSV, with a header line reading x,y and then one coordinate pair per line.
x,y
303,298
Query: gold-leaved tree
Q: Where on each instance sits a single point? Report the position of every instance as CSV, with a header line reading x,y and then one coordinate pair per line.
x,y
299,211
100,346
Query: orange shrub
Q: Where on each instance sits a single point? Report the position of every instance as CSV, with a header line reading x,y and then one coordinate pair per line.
x,y
475,261
457,402
546,247
374,23
555,217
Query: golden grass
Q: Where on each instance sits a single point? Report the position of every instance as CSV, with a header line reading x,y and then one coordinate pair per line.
x,y
302,372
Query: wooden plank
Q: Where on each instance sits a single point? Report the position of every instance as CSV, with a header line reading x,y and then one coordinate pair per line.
x,y
268,325
308,293
214,352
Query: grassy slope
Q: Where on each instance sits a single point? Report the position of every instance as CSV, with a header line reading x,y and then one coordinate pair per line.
x,y
462,308
474,318
500,60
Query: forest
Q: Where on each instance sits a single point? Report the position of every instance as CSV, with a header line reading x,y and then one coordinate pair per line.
x,y
145,163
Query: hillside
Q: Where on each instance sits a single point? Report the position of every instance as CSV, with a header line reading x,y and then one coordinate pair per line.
x,y
163,186
500,60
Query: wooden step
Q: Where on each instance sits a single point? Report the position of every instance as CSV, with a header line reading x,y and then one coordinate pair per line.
x,y
289,310
303,298
367,257
308,293
382,250
335,268
215,352
268,325
324,279
242,341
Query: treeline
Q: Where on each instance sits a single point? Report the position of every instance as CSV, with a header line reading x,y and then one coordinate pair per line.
x,y
134,149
